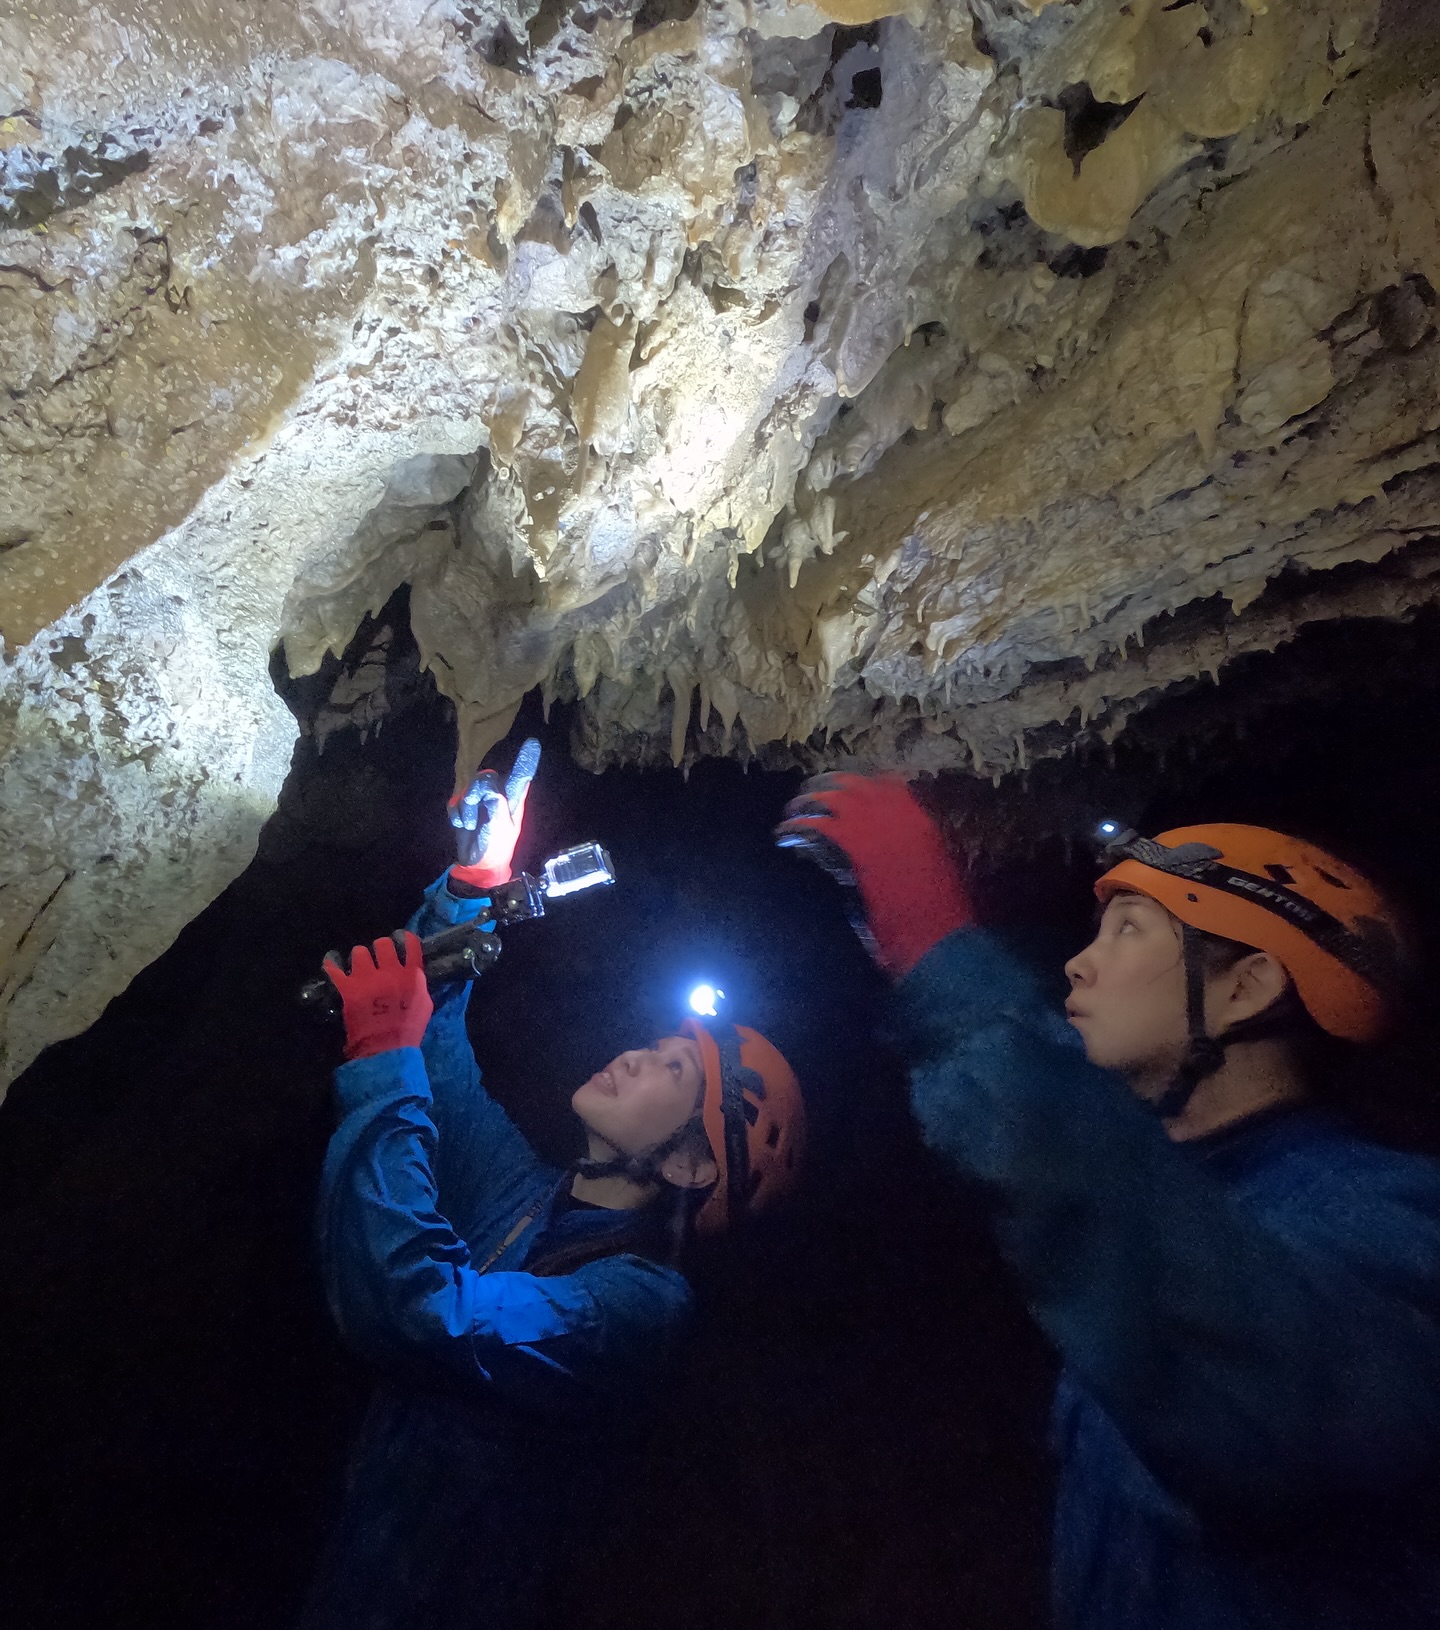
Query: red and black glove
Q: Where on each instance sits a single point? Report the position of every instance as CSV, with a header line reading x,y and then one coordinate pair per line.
x,y
487,821
387,1002
893,851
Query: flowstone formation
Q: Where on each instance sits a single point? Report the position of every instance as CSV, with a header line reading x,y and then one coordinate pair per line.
x,y
854,382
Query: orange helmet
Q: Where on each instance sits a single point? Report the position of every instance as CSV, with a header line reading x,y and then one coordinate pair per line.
x,y
1326,925
754,1117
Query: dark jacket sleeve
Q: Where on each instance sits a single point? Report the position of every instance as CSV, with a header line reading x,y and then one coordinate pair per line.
x,y
1255,1370
484,1160
403,1288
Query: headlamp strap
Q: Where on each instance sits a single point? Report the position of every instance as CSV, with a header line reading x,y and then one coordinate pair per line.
x,y
1370,956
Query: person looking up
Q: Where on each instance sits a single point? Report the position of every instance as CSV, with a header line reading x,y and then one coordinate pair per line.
x,y
1245,1294
518,1316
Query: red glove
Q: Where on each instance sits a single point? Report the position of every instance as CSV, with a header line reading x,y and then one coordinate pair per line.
x,y
387,1002
911,888
487,821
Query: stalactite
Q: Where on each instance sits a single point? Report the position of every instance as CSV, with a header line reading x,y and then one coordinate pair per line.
x,y
670,363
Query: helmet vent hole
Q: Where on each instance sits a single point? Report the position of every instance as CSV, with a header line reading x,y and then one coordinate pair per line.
x,y
1281,874
752,1111
1331,879
1194,899
772,1137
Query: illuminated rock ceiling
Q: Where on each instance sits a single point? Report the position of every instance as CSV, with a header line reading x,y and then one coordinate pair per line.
x,y
774,379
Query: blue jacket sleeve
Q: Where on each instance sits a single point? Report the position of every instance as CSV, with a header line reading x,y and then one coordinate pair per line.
x,y
403,1288
484,1161
1256,1368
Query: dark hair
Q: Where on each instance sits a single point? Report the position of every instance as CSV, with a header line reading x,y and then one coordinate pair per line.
x,y
662,1229
1287,1018
659,1231
1386,1089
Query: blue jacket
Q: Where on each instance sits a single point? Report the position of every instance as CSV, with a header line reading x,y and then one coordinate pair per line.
x,y
500,1389
1249,1419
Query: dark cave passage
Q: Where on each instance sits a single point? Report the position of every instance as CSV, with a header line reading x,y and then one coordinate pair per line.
x,y
858,1431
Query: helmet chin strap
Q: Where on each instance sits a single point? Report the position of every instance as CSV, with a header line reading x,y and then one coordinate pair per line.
x,y
1204,1053
736,1078
642,1167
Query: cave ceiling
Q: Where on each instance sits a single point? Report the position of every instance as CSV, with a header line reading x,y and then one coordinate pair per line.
x,y
850,382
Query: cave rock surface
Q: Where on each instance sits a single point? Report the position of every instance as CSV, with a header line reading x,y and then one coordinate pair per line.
x,y
853,382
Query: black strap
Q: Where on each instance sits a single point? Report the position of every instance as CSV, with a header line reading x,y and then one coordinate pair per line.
x,y
643,1167
1207,1051
1372,953
1204,1053
736,1079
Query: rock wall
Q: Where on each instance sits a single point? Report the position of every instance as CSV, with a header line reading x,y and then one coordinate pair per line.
x,y
848,382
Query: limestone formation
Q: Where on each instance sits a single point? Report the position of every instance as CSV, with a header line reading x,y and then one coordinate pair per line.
x,y
867,381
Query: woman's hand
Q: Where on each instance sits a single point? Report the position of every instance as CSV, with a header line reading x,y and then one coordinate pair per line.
x,y
387,1002
910,887
487,821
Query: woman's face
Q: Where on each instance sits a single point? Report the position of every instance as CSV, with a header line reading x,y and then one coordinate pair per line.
x,y
644,1096
1127,992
